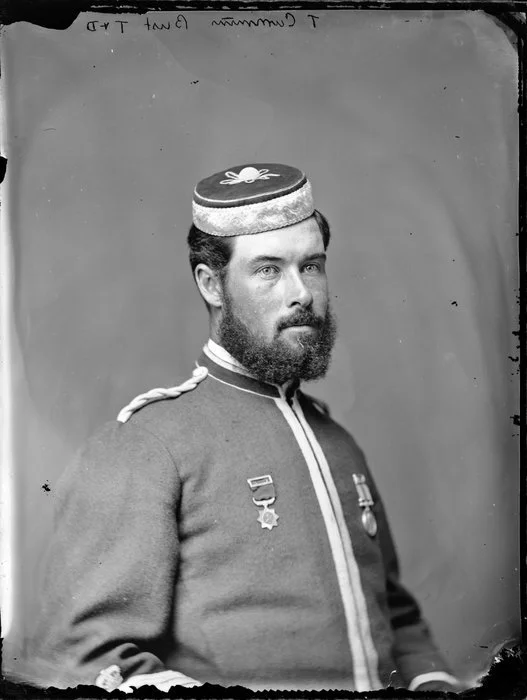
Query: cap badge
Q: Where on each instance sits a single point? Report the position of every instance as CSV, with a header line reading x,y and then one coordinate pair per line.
x,y
248,175
264,496
369,521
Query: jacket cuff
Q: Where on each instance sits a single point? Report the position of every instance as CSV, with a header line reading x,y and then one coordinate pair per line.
x,y
432,676
163,680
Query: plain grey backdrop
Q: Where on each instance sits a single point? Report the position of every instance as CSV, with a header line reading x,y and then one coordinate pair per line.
x,y
406,124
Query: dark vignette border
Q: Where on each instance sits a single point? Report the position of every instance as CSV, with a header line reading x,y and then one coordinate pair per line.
x,y
507,677
60,14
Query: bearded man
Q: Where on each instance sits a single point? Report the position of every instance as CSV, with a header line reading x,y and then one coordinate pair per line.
x,y
227,530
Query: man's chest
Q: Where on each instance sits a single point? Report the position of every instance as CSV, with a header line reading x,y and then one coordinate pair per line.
x,y
267,485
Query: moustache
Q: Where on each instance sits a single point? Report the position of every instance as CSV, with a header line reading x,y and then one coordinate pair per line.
x,y
302,318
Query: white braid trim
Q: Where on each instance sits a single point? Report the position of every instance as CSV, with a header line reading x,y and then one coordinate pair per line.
x,y
272,214
164,680
198,375
432,676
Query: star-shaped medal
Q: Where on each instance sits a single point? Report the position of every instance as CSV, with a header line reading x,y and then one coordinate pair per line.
x,y
268,518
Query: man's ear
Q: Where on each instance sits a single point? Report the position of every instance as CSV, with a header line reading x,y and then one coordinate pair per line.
x,y
209,285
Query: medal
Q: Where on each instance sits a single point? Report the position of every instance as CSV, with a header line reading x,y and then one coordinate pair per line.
x,y
267,517
264,496
369,522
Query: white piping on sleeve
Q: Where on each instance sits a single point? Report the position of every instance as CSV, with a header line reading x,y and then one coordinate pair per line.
x,y
432,676
363,654
163,680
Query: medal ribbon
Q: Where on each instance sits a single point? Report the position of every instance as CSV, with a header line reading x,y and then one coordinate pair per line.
x,y
263,490
363,490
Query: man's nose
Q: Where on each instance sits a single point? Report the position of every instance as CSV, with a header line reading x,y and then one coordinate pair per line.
x,y
298,294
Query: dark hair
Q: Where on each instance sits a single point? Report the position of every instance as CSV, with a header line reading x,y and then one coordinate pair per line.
x,y
216,251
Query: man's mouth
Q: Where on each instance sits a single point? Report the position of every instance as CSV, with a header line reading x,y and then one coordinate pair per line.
x,y
302,323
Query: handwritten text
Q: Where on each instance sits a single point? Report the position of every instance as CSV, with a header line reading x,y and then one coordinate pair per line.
x,y
288,20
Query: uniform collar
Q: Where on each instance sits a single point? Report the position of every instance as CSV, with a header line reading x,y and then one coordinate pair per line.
x,y
225,359
223,366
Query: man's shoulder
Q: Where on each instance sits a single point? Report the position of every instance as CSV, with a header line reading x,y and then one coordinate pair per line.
x,y
147,432
191,412
319,412
182,407
317,404
159,403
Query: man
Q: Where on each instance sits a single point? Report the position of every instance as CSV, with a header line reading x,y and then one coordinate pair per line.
x,y
227,530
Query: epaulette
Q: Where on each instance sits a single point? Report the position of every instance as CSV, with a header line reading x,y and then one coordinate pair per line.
x,y
198,375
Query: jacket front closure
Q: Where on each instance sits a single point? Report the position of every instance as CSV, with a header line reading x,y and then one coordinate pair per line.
x,y
363,653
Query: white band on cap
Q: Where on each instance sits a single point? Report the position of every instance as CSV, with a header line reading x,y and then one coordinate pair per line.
x,y
255,218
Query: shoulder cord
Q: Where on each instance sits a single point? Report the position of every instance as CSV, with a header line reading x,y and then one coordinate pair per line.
x,y
198,375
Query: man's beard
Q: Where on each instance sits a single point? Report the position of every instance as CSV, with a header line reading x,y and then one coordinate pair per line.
x,y
278,361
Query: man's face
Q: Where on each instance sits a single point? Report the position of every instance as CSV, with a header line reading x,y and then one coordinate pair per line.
x,y
275,317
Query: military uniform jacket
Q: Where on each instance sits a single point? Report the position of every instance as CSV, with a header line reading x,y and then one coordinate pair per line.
x,y
159,563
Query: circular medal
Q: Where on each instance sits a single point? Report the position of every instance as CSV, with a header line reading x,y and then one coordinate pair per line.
x,y
369,522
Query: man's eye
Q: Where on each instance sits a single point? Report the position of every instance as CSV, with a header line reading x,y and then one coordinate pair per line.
x,y
268,271
312,267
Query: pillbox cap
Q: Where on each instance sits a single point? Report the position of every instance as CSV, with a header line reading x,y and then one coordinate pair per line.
x,y
252,199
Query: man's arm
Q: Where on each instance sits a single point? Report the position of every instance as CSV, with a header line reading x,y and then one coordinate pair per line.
x,y
418,659
108,591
